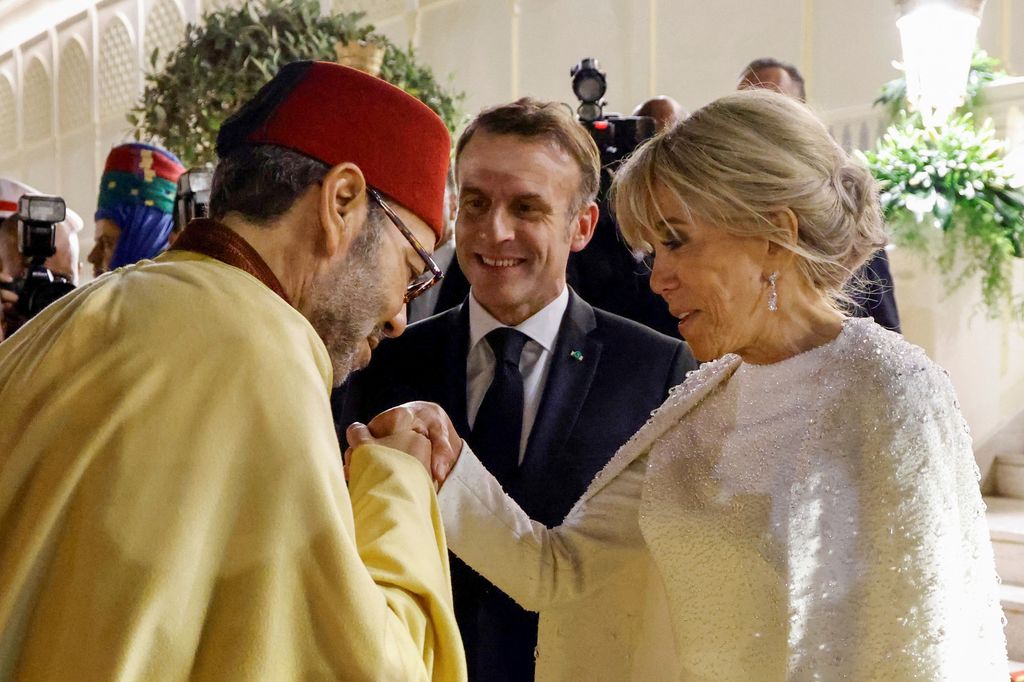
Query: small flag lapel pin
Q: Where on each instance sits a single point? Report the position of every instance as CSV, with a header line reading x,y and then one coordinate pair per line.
x,y
576,355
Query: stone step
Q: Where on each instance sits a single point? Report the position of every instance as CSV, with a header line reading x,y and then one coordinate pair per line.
x,y
1009,476
1005,518
1012,597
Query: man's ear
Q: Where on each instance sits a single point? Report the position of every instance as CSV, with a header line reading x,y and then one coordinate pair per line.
x,y
343,199
584,224
789,225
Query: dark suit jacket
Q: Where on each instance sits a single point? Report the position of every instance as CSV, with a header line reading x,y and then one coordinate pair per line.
x,y
876,298
454,288
589,408
608,276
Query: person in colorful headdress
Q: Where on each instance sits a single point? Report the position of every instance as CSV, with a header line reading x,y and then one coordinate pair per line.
x,y
135,212
180,510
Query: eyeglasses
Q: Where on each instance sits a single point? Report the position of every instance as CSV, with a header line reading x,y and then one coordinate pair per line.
x,y
429,277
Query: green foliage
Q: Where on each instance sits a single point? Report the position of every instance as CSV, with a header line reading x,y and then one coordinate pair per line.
x,y
223,61
947,192
954,179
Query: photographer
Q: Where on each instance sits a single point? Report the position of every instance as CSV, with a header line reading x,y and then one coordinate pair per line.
x,y
606,274
14,265
665,111
192,199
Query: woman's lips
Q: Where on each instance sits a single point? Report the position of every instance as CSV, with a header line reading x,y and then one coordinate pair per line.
x,y
685,318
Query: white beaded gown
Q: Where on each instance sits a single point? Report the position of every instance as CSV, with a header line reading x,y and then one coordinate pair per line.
x,y
814,519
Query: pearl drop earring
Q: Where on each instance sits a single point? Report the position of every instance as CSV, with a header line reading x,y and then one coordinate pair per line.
x,y
773,292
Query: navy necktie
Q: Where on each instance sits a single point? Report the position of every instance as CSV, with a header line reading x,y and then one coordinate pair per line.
x,y
499,421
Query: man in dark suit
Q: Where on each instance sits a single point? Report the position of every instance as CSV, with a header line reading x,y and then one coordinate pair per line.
x,y
544,386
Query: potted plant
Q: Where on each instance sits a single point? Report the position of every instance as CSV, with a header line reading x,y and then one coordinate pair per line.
x,y
232,52
947,192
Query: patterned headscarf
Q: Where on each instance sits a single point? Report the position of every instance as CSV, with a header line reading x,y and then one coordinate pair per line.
x,y
137,193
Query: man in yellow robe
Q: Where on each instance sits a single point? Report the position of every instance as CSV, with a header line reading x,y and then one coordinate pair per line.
x,y
172,498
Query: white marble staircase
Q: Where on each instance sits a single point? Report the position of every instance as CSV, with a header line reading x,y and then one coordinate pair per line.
x,y
1006,525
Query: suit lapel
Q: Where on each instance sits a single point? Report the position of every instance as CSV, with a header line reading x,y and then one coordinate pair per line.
x,y
453,368
454,288
573,363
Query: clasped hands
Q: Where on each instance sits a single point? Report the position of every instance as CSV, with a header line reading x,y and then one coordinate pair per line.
x,y
418,428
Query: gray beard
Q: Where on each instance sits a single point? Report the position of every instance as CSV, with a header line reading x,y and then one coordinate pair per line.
x,y
347,302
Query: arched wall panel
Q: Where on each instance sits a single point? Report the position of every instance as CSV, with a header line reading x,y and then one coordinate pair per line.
x,y
37,103
165,29
8,116
74,86
118,70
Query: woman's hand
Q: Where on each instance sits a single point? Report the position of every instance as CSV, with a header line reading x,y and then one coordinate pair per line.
x,y
429,421
403,437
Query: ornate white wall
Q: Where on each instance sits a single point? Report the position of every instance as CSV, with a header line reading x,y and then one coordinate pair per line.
x,y
70,70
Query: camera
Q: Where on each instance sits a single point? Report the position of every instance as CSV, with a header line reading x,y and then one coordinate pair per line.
x,y
616,136
37,239
607,274
193,197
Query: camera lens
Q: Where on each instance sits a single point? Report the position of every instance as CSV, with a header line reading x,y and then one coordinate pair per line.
x,y
590,88
588,81
45,294
589,111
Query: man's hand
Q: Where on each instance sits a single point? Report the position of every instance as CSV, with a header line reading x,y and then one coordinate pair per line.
x,y
7,300
429,420
402,437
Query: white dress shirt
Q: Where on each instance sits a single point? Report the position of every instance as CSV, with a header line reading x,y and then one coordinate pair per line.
x,y
541,329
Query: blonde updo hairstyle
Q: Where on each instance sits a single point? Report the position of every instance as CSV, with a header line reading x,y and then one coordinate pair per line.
x,y
742,158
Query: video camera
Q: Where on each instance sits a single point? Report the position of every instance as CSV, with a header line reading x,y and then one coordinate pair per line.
x,y
616,136
37,240
606,274
193,198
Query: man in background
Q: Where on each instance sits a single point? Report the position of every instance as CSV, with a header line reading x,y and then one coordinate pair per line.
x,y
607,274
665,111
773,74
545,385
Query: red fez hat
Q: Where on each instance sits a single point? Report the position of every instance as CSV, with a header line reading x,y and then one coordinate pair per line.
x,y
337,114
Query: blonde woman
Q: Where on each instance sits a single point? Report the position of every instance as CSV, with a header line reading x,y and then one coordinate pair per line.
x,y
804,507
